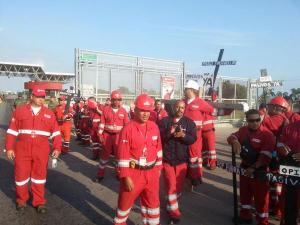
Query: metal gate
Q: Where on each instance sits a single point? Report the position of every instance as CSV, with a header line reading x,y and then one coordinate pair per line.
x,y
98,73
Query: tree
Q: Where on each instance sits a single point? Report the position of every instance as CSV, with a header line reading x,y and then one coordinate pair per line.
x,y
295,91
228,90
150,92
125,90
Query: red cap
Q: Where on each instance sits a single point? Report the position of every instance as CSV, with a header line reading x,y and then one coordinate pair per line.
x,y
62,98
115,95
144,102
38,92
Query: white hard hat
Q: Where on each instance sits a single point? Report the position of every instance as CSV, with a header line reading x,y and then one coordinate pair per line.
x,y
192,84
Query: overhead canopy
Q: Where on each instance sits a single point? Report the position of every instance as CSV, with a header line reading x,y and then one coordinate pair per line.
x,y
34,72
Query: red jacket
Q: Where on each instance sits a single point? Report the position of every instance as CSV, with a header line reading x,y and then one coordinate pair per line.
x,y
113,122
275,123
59,113
160,114
290,137
132,142
195,109
261,140
25,126
292,117
95,118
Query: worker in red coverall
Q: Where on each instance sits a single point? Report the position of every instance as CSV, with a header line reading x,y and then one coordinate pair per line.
x,y
139,158
77,107
255,145
290,115
84,125
160,112
27,144
64,122
275,121
195,108
289,147
177,133
94,115
113,119
209,153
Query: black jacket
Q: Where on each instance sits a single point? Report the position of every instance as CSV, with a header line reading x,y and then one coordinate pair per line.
x,y
175,150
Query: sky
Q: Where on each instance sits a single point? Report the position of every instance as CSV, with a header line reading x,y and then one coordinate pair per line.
x,y
256,33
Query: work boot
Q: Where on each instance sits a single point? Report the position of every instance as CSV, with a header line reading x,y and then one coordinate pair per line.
x,y
173,221
98,179
21,207
242,221
41,209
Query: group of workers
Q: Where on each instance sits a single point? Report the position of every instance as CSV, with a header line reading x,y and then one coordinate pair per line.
x,y
145,141
270,136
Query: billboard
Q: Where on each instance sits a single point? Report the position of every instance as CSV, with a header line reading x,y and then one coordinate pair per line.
x,y
167,87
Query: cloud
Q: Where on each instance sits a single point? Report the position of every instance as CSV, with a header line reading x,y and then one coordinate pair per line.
x,y
1,29
213,36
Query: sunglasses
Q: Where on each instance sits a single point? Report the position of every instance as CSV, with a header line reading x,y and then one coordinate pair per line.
x,y
117,99
254,120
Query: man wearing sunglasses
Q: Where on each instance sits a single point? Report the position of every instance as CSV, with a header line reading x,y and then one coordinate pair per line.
x,y
254,143
27,144
113,119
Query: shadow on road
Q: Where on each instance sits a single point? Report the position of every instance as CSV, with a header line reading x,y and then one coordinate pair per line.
x,y
67,189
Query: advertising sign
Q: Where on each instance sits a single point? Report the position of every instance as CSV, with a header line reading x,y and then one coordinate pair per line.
x,y
167,87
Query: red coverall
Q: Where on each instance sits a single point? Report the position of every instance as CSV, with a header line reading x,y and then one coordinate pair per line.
x,y
209,140
275,124
134,140
77,109
292,117
95,119
160,114
290,141
65,126
263,142
110,126
84,126
28,136
194,110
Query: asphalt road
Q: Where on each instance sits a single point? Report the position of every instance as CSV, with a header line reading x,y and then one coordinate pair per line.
x,y
74,199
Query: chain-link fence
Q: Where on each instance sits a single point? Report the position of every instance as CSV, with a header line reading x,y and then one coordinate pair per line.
x,y
98,73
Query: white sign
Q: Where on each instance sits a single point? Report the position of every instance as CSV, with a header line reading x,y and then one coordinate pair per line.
x,y
289,170
202,79
275,83
167,87
265,78
87,90
222,63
